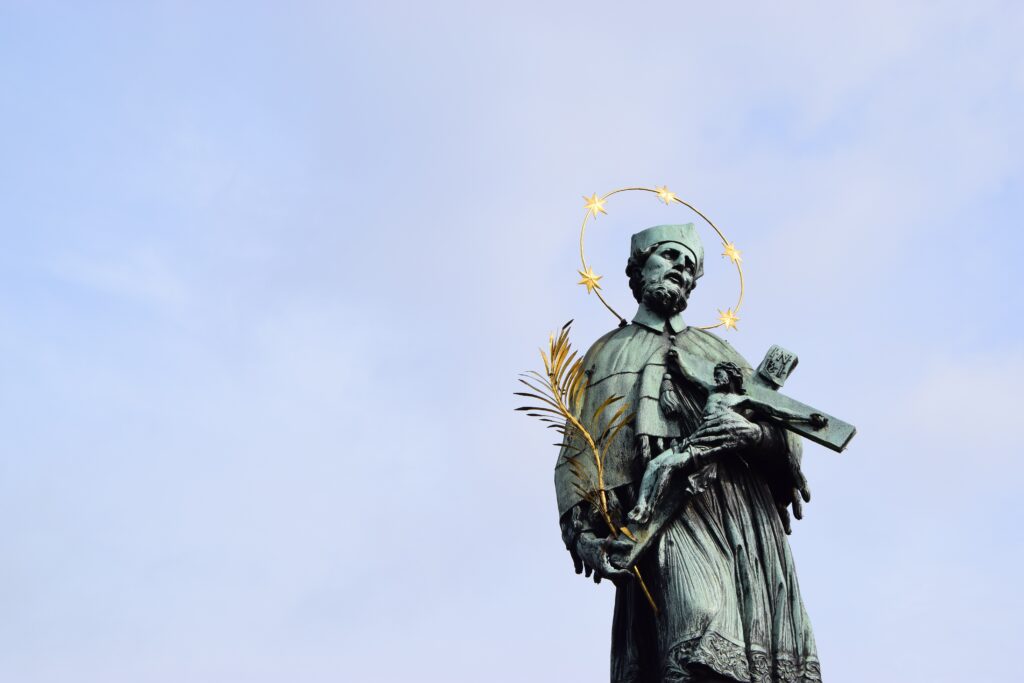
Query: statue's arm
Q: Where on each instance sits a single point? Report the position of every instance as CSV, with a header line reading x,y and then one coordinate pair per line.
x,y
782,452
769,448
817,420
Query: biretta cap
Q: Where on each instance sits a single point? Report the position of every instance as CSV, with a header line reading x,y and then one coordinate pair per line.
x,y
685,234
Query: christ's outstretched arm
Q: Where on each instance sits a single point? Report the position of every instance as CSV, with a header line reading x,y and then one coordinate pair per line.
x,y
816,420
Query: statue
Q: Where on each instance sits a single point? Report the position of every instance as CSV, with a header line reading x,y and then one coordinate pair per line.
x,y
699,478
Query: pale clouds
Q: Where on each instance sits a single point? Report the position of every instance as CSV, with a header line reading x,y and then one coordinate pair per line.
x,y
975,399
143,275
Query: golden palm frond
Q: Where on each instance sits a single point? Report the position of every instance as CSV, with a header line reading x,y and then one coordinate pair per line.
x,y
557,399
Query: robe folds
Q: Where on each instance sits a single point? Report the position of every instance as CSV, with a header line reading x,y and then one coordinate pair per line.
x,y
721,571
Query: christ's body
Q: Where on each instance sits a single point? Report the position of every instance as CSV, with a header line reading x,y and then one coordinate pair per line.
x,y
726,396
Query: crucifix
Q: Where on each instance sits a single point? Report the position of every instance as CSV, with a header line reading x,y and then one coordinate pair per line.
x,y
759,396
771,374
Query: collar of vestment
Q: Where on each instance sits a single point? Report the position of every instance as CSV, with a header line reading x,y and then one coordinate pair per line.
x,y
652,321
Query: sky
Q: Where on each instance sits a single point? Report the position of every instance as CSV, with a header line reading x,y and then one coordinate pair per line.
x,y
269,272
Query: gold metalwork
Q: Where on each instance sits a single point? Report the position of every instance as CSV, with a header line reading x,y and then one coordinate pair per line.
x,y
589,280
728,318
733,253
664,195
559,393
594,204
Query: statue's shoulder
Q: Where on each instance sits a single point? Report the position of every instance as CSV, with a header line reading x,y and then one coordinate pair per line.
x,y
615,341
702,336
623,350
616,337
713,347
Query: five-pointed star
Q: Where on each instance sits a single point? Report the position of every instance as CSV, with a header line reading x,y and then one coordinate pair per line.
x,y
589,280
732,252
728,318
593,204
665,195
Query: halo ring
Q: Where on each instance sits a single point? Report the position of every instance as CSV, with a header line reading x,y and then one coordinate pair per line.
x,y
721,236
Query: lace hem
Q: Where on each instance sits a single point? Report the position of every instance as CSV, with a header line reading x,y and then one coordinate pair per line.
x,y
729,658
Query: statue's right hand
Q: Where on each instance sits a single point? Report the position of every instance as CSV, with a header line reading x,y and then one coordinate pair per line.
x,y
593,554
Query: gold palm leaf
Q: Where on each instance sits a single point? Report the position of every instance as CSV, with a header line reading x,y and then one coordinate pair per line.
x,y
557,400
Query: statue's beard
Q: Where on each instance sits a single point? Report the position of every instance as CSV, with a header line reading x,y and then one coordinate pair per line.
x,y
665,298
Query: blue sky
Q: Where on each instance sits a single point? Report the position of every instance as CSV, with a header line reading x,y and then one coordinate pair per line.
x,y
269,274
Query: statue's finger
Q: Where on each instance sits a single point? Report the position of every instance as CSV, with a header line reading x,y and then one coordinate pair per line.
x,y
619,546
784,516
719,428
715,422
805,491
713,442
705,438
702,447
712,427
613,572
798,508
798,474
710,431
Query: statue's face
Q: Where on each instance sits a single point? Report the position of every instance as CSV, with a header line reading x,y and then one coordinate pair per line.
x,y
669,274
721,378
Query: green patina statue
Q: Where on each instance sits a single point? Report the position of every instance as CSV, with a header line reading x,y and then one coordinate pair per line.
x,y
702,478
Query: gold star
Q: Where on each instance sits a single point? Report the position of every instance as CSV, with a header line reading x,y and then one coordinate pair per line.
x,y
665,195
593,204
732,252
589,280
728,318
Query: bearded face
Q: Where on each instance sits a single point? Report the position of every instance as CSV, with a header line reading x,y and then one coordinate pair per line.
x,y
668,277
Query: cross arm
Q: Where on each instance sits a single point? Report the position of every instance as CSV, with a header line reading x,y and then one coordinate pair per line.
x,y
762,392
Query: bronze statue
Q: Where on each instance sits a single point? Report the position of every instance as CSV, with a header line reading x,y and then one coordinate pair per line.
x,y
709,464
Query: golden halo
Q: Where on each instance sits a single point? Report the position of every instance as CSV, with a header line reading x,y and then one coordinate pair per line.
x,y
595,205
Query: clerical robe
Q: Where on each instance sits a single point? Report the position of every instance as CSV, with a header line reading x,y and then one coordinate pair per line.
x,y
721,571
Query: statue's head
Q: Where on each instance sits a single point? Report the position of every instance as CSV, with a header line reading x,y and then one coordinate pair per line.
x,y
663,267
729,377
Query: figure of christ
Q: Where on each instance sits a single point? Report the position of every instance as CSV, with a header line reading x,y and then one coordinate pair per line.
x,y
725,395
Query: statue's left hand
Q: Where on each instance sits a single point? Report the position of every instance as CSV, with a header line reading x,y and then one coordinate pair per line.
x,y
595,555
728,431
799,494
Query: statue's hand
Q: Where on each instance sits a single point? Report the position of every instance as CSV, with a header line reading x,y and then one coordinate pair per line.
x,y
799,494
728,431
594,553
